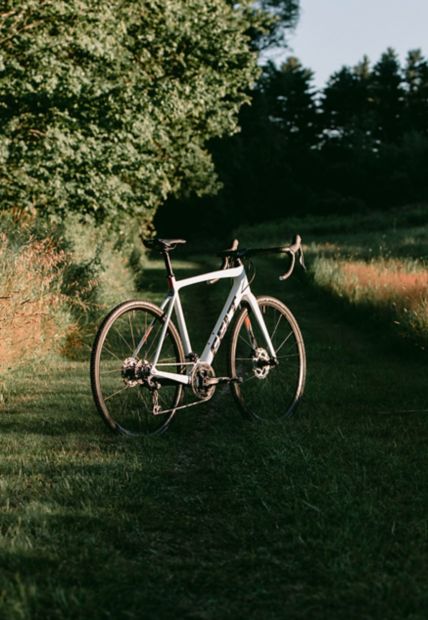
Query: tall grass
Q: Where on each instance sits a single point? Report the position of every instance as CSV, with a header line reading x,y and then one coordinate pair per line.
x,y
395,287
376,261
55,283
33,316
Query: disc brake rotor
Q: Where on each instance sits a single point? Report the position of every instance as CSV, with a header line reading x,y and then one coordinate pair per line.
x,y
261,361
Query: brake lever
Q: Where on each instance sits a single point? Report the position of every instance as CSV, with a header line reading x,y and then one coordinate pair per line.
x,y
302,260
293,250
288,273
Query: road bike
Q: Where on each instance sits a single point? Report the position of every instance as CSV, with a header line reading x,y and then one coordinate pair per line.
x,y
144,369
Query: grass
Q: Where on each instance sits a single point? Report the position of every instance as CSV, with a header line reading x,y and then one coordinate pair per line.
x,y
376,263
32,314
324,515
395,290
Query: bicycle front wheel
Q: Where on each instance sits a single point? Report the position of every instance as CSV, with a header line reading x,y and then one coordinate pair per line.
x,y
266,389
126,403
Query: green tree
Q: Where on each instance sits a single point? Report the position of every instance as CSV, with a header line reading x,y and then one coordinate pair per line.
x,y
346,106
291,101
106,107
270,21
416,87
388,97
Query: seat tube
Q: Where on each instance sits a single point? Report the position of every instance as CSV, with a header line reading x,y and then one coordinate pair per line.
x,y
182,327
164,330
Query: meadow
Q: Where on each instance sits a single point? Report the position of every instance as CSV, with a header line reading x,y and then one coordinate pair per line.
x,y
376,263
323,515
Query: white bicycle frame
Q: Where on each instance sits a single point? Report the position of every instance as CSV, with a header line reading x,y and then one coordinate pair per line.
x,y
240,292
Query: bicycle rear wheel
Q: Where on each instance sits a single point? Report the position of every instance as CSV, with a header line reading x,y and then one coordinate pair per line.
x,y
125,404
267,391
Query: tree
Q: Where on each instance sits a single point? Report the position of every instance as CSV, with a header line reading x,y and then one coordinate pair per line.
x,y
388,97
346,106
270,20
291,101
263,168
106,107
416,87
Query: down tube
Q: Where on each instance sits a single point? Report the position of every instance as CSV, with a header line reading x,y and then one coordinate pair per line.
x,y
252,301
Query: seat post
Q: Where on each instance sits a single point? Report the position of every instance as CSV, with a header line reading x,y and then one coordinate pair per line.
x,y
168,264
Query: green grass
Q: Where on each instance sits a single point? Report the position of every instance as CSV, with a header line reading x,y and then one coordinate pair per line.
x,y
322,516
374,263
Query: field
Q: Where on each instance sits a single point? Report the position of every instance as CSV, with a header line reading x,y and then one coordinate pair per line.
x,y
322,516
375,263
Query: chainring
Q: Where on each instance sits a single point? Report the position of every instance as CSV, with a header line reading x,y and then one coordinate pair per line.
x,y
201,373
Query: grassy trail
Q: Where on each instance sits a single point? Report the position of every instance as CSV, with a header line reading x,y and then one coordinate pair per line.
x,y
325,515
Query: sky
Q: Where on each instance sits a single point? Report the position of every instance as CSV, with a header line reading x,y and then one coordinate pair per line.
x,y
333,33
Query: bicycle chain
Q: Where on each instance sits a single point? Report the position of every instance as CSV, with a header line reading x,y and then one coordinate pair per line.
x,y
197,402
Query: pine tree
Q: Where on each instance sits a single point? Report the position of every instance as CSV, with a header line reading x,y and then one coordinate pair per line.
x,y
346,106
388,97
416,98
291,101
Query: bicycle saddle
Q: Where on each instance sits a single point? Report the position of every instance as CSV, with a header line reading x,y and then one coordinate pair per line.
x,y
165,245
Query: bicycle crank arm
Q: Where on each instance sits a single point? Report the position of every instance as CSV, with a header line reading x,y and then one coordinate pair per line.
x,y
217,380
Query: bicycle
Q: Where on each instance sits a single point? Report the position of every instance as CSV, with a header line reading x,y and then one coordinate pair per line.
x,y
142,364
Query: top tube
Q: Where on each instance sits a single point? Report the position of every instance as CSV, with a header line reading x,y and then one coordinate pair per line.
x,y
234,272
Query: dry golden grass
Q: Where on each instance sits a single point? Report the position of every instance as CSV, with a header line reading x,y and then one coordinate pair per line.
x,y
31,304
397,286
388,282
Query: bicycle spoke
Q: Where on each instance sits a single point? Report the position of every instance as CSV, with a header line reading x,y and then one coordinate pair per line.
x,y
283,342
154,340
132,331
246,341
249,379
276,327
110,372
123,339
126,387
112,354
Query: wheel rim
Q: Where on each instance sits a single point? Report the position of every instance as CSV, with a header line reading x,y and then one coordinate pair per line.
x,y
268,391
128,404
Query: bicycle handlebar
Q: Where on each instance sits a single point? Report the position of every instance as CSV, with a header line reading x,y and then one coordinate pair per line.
x,y
295,249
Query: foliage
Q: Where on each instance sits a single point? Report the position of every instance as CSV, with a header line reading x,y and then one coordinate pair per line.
x,y
360,144
263,167
270,20
55,281
105,107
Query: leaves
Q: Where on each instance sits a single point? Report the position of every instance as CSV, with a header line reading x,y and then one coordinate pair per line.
x,y
105,108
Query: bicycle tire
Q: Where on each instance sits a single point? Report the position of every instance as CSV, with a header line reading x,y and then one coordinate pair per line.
x,y
267,392
128,411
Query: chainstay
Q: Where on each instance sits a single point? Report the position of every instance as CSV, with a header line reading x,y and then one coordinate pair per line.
x,y
197,402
